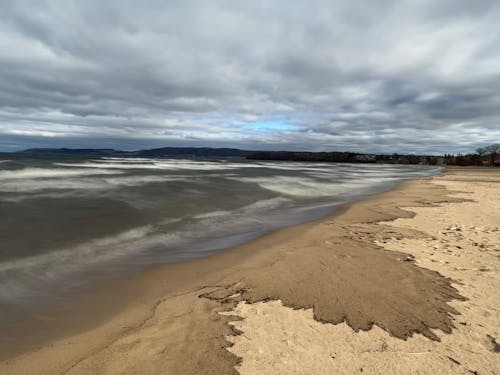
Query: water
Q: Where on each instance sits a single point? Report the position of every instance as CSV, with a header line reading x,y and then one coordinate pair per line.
x,y
67,223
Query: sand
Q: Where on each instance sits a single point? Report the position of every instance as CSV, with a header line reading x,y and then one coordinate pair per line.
x,y
462,242
409,279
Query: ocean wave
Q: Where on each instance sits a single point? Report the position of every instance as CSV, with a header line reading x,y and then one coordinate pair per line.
x,y
287,185
107,165
56,262
185,164
267,204
21,274
312,187
32,173
86,184
124,160
257,207
336,180
212,214
171,164
191,233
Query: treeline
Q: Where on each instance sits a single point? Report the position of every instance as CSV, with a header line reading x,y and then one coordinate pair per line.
x,y
488,156
345,157
464,160
340,157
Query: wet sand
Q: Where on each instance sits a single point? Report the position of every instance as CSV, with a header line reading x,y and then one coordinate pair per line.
x,y
368,270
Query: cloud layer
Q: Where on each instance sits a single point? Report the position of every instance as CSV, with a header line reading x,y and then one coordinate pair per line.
x,y
379,76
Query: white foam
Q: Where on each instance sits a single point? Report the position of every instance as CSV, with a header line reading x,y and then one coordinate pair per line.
x,y
287,185
86,184
30,186
311,187
139,180
125,160
108,165
212,214
186,164
267,204
256,207
52,172
57,263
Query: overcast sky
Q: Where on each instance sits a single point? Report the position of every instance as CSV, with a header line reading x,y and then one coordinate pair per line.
x,y
419,76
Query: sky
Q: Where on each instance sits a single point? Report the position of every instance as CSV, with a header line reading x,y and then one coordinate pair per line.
x,y
419,76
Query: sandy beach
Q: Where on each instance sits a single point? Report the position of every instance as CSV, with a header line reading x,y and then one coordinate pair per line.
x,y
402,282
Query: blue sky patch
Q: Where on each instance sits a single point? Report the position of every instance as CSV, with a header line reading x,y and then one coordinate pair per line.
x,y
269,126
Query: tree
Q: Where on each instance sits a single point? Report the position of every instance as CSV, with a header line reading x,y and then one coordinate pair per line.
x,y
492,150
481,151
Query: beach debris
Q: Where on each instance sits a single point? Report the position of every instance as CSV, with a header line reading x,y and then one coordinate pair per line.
x,y
453,360
496,345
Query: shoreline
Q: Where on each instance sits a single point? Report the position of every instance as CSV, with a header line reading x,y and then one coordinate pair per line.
x,y
73,318
72,315
158,299
32,282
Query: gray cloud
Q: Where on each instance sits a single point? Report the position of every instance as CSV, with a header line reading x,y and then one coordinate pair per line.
x,y
380,76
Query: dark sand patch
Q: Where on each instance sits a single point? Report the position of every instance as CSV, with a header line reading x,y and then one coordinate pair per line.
x,y
337,270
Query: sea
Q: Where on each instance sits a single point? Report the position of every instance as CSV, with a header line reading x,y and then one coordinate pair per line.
x,y
67,224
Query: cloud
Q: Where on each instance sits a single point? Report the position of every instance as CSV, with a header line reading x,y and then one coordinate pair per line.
x,y
382,76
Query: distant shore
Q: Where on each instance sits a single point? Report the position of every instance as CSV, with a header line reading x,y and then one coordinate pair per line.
x,y
211,153
347,268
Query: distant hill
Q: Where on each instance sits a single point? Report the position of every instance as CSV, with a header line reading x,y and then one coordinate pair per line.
x,y
70,151
151,153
